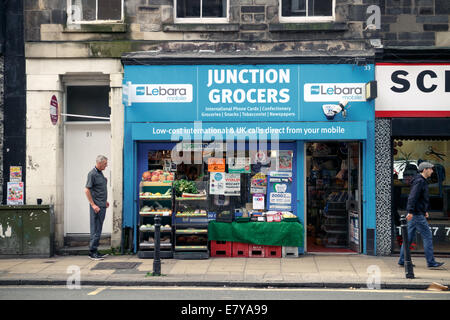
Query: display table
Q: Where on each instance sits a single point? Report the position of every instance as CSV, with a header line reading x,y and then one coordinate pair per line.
x,y
288,234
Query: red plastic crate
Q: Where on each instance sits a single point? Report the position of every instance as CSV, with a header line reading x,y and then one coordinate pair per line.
x,y
256,251
239,250
220,248
272,251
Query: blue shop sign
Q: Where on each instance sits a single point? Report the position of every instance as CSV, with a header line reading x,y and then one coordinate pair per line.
x,y
244,93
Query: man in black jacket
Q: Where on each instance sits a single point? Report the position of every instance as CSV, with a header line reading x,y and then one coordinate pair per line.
x,y
417,208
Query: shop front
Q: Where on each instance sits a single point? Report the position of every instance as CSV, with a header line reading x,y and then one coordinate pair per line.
x,y
415,98
266,143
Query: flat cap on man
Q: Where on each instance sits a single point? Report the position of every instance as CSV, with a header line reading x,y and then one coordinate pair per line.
x,y
425,165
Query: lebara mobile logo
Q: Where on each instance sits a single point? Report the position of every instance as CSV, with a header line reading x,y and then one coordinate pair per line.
x,y
315,90
322,92
140,91
163,93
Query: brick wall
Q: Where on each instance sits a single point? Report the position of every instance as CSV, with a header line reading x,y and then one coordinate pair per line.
x,y
412,23
253,26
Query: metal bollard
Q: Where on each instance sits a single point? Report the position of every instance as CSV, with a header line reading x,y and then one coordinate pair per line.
x,y
156,258
409,272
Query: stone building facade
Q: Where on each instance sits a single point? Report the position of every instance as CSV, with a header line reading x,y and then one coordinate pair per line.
x,y
60,51
412,31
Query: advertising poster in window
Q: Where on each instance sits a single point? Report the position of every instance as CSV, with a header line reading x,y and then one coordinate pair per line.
x,y
280,191
216,165
232,184
217,183
239,165
258,183
258,201
285,160
15,193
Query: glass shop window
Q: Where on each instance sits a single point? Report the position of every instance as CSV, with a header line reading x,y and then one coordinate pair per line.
x,y
201,11
82,11
307,10
195,169
90,103
407,155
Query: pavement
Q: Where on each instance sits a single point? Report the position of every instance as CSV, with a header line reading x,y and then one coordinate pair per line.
x,y
309,271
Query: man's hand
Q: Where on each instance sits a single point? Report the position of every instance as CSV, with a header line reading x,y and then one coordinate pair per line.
x,y
426,215
409,217
96,208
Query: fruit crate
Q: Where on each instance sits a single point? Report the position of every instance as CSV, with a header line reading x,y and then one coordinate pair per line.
x,y
221,248
289,252
240,250
272,251
256,251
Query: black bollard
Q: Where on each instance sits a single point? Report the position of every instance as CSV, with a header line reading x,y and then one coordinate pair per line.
x,y
409,272
156,258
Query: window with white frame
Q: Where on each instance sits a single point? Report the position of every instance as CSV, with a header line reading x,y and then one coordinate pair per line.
x,y
201,11
91,11
307,10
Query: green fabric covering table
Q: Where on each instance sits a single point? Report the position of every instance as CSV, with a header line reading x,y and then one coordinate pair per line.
x,y
287,234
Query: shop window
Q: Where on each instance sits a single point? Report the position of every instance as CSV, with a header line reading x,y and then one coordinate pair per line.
x,y
89,11
307,10
408,154
201,11
91,103
248,168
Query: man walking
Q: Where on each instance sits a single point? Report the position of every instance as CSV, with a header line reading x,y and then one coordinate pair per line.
x,y
417,208
96,193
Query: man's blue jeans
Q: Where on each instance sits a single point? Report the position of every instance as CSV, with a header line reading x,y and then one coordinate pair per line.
x,y
419,223
96,227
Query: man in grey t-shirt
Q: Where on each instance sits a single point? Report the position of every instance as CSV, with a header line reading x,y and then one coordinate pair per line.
x,y
97,194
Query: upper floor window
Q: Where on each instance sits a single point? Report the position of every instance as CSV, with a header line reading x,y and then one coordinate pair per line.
x,y
90,11
201,11
307,10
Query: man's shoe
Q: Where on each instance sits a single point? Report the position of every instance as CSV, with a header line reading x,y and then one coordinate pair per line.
x,y
95,256
102,255
436,265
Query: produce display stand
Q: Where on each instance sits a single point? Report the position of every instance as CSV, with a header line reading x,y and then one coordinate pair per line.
x,y
155,199
191,226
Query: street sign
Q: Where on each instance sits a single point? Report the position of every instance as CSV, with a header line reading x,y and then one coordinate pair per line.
x,y
54,110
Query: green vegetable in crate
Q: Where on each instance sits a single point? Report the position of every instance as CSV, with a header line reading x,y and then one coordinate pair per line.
x,y
184,186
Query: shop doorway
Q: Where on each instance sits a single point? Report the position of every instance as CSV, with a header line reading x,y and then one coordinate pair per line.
x,y
333,197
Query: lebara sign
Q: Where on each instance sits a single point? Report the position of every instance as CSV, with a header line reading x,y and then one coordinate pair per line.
x,y
246,93
335,92
163,93
413,90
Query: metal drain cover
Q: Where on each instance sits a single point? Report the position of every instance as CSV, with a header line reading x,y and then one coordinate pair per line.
x,y
115,265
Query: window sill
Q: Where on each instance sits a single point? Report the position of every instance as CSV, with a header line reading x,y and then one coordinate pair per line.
x,y
198,27
95,28
312,26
